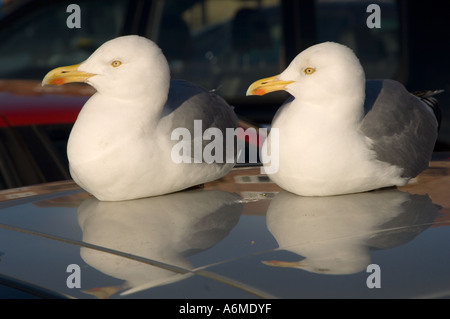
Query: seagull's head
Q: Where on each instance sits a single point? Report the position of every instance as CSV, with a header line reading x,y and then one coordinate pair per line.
x,y
324,70
123,67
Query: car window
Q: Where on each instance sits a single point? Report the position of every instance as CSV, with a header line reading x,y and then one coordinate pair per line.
x,y
227,44
345,21
220,44
33,154
41,40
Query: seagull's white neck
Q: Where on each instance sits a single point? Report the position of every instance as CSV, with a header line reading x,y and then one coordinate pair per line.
x,y
101,123
142,109
350,110
330,114
329,101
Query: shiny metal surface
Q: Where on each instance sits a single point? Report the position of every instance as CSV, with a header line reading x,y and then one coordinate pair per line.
x,y
240,237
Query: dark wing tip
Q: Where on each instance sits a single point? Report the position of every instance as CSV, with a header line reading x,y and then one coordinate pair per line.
x,y
428,98
427,93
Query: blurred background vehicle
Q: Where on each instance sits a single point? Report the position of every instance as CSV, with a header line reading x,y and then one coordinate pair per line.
x,y
223,45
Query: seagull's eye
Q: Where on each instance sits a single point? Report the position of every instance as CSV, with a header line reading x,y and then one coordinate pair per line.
x,y
309,71
116,63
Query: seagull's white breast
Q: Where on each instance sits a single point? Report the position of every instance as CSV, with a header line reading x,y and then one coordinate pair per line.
x,y
321,158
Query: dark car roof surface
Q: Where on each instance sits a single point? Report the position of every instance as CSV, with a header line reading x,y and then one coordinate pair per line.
x,y
229,239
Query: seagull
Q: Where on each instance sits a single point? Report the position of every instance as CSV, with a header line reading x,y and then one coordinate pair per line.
x,y
334,234
328,144
196,220
121,145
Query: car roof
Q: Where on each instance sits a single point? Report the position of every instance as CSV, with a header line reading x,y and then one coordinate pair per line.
x,y
229,239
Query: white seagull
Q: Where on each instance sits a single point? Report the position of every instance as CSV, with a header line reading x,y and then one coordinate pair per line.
x,y
327,144
120,147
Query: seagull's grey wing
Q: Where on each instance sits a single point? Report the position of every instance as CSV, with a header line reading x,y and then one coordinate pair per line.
x,y
188,102
403,128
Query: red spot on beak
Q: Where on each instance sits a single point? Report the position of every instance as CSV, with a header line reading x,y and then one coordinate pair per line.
x,y
259,92
58,81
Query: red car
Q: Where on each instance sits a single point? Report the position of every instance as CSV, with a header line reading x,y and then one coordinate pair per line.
x,y
34,127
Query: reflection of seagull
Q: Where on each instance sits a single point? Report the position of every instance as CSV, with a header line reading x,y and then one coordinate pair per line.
x,y
120,146
334,233
165,229
327,146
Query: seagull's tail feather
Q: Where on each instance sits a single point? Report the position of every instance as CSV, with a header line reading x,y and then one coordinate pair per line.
x,y
427,93
428,98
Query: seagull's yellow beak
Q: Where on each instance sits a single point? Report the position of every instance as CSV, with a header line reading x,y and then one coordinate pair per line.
x,y
267,85
66,74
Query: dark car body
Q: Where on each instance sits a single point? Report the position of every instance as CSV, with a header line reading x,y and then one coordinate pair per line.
x,y
239,237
